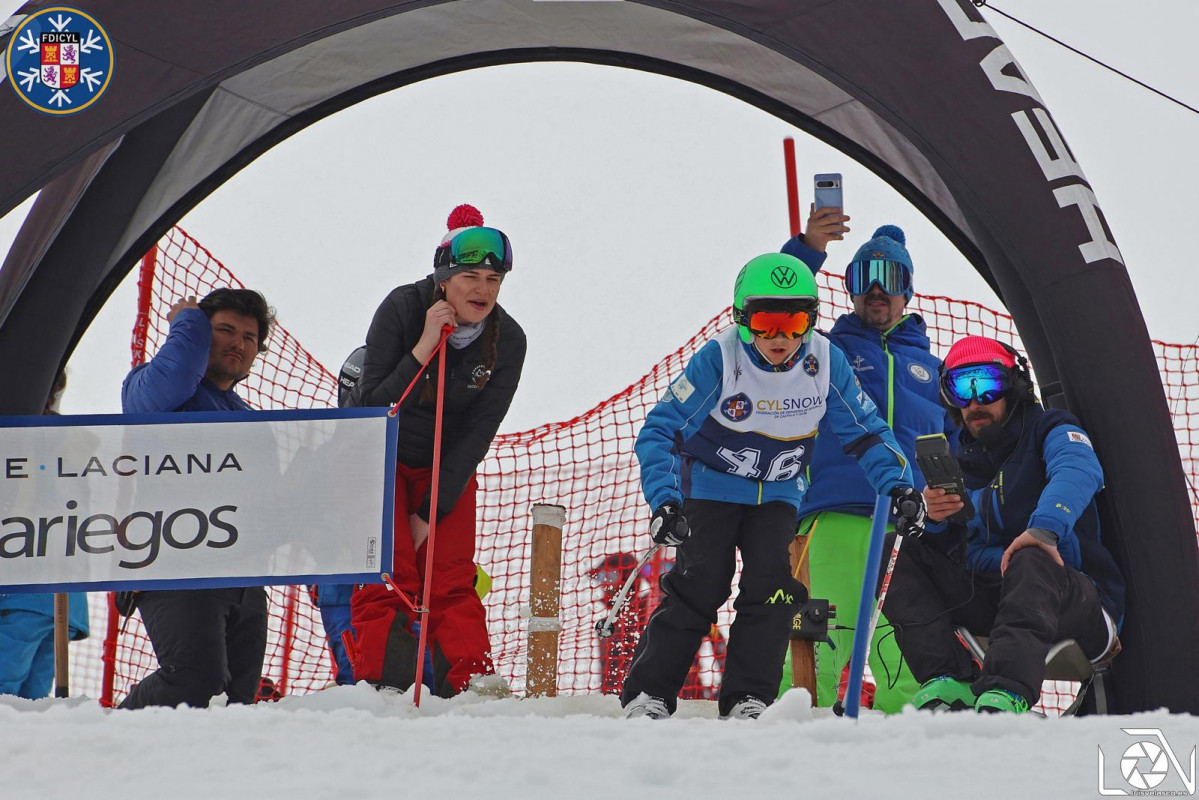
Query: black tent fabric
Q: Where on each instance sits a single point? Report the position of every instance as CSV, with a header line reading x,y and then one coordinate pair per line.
x,y
943,113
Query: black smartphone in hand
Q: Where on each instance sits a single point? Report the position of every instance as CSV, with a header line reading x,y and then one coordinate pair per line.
x,y
942,471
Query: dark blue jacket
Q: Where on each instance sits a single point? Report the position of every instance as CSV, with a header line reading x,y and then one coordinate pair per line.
x,y
174,379
1039,471
899,374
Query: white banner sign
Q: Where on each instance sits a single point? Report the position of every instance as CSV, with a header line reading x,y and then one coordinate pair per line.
x,y
198,499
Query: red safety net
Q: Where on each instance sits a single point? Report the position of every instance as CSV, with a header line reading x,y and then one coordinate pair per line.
x,y
585,464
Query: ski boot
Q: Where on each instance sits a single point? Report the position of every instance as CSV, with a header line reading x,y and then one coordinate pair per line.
x,y
944,693
748,707
997,701
645,706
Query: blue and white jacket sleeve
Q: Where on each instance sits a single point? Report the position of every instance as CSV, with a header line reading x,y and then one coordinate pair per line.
x,y
171,377
1074,476
795,246
853,417
678,415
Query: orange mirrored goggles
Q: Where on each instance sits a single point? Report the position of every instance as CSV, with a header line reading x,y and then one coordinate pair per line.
x,y
769,324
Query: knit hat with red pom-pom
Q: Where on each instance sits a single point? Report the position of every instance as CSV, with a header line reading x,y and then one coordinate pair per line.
x,y
462,217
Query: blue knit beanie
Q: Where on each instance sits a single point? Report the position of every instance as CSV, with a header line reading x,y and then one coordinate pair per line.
x,y
887,244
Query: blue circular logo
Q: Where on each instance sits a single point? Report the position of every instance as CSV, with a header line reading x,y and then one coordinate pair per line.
x,y
59,60
737,408
811,364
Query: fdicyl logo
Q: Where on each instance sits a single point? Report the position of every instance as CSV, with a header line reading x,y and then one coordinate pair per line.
x,y
783,277
1146,764
59,60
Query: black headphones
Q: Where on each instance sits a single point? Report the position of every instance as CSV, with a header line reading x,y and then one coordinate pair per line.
x,y
1022,387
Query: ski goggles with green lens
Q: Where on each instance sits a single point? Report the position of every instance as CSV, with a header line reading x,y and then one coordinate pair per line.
x,y
476,247
985,383
893,277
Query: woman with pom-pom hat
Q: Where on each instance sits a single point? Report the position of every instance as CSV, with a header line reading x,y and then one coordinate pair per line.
x,y
888,349
484,356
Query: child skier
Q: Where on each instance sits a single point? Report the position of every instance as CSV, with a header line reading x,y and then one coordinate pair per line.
x,y
723,458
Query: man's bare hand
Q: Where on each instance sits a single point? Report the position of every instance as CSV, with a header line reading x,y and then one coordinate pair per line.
x,y
1026,539
941,504
824,225
180,304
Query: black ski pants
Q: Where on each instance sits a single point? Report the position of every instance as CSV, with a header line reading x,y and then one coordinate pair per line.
x,y
207,641
699,584
1034,605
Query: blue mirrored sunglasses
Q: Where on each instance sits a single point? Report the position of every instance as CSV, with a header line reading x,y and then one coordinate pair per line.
x,y
892,277
985,383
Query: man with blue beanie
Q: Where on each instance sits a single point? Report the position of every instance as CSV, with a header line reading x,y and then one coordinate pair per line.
x,y
888,350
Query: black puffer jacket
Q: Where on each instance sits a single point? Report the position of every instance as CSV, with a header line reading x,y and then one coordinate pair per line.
x,y
472,415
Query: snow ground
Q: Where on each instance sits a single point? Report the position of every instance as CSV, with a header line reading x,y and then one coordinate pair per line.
x,y
355,742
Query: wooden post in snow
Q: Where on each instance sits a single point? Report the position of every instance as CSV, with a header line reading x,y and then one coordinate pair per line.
x,y
545,588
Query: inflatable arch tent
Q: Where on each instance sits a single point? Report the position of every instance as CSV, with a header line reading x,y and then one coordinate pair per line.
x,y
926,95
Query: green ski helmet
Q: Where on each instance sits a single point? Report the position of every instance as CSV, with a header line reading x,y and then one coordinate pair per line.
x,y
774,282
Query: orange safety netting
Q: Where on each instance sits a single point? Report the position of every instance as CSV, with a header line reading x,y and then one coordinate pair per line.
x,y
585,464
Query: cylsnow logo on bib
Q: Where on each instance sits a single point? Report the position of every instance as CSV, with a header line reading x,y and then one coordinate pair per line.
x,y
59,60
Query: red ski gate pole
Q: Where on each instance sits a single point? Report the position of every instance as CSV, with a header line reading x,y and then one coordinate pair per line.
x,y
423,611
792,185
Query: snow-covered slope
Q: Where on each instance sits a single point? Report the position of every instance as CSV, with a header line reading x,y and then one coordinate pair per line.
x,y
353,742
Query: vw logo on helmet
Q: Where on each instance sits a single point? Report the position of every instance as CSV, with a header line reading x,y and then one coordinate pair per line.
x,y
783,277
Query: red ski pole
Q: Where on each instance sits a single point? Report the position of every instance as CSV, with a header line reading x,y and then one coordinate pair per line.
x,y
423,611
792,185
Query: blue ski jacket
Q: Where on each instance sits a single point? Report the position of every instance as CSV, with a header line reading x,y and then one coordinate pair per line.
x,y
898,371
43,603
684,451
174,379
1039,471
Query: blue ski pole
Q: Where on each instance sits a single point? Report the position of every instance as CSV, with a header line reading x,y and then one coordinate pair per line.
x,y
862,632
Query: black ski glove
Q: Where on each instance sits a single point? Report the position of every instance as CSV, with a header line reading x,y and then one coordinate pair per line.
x,y
669,526
907,506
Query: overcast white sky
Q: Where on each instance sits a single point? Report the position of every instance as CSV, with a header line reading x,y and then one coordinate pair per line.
x,y
632,200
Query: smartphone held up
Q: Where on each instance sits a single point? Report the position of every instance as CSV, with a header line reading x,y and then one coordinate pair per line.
x,y
827,190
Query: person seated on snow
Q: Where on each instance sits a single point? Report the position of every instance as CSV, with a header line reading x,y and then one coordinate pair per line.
x,y
722,457
207,641
1034,570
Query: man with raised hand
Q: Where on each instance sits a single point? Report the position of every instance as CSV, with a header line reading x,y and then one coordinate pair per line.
x,y
207,641
888,350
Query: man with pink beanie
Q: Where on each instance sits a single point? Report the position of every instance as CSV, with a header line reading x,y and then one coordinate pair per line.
x,y
1032,571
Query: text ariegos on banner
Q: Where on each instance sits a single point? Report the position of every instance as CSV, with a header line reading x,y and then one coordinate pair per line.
x,y
202,500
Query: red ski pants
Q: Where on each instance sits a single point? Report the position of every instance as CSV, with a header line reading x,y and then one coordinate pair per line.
x,y
386,647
